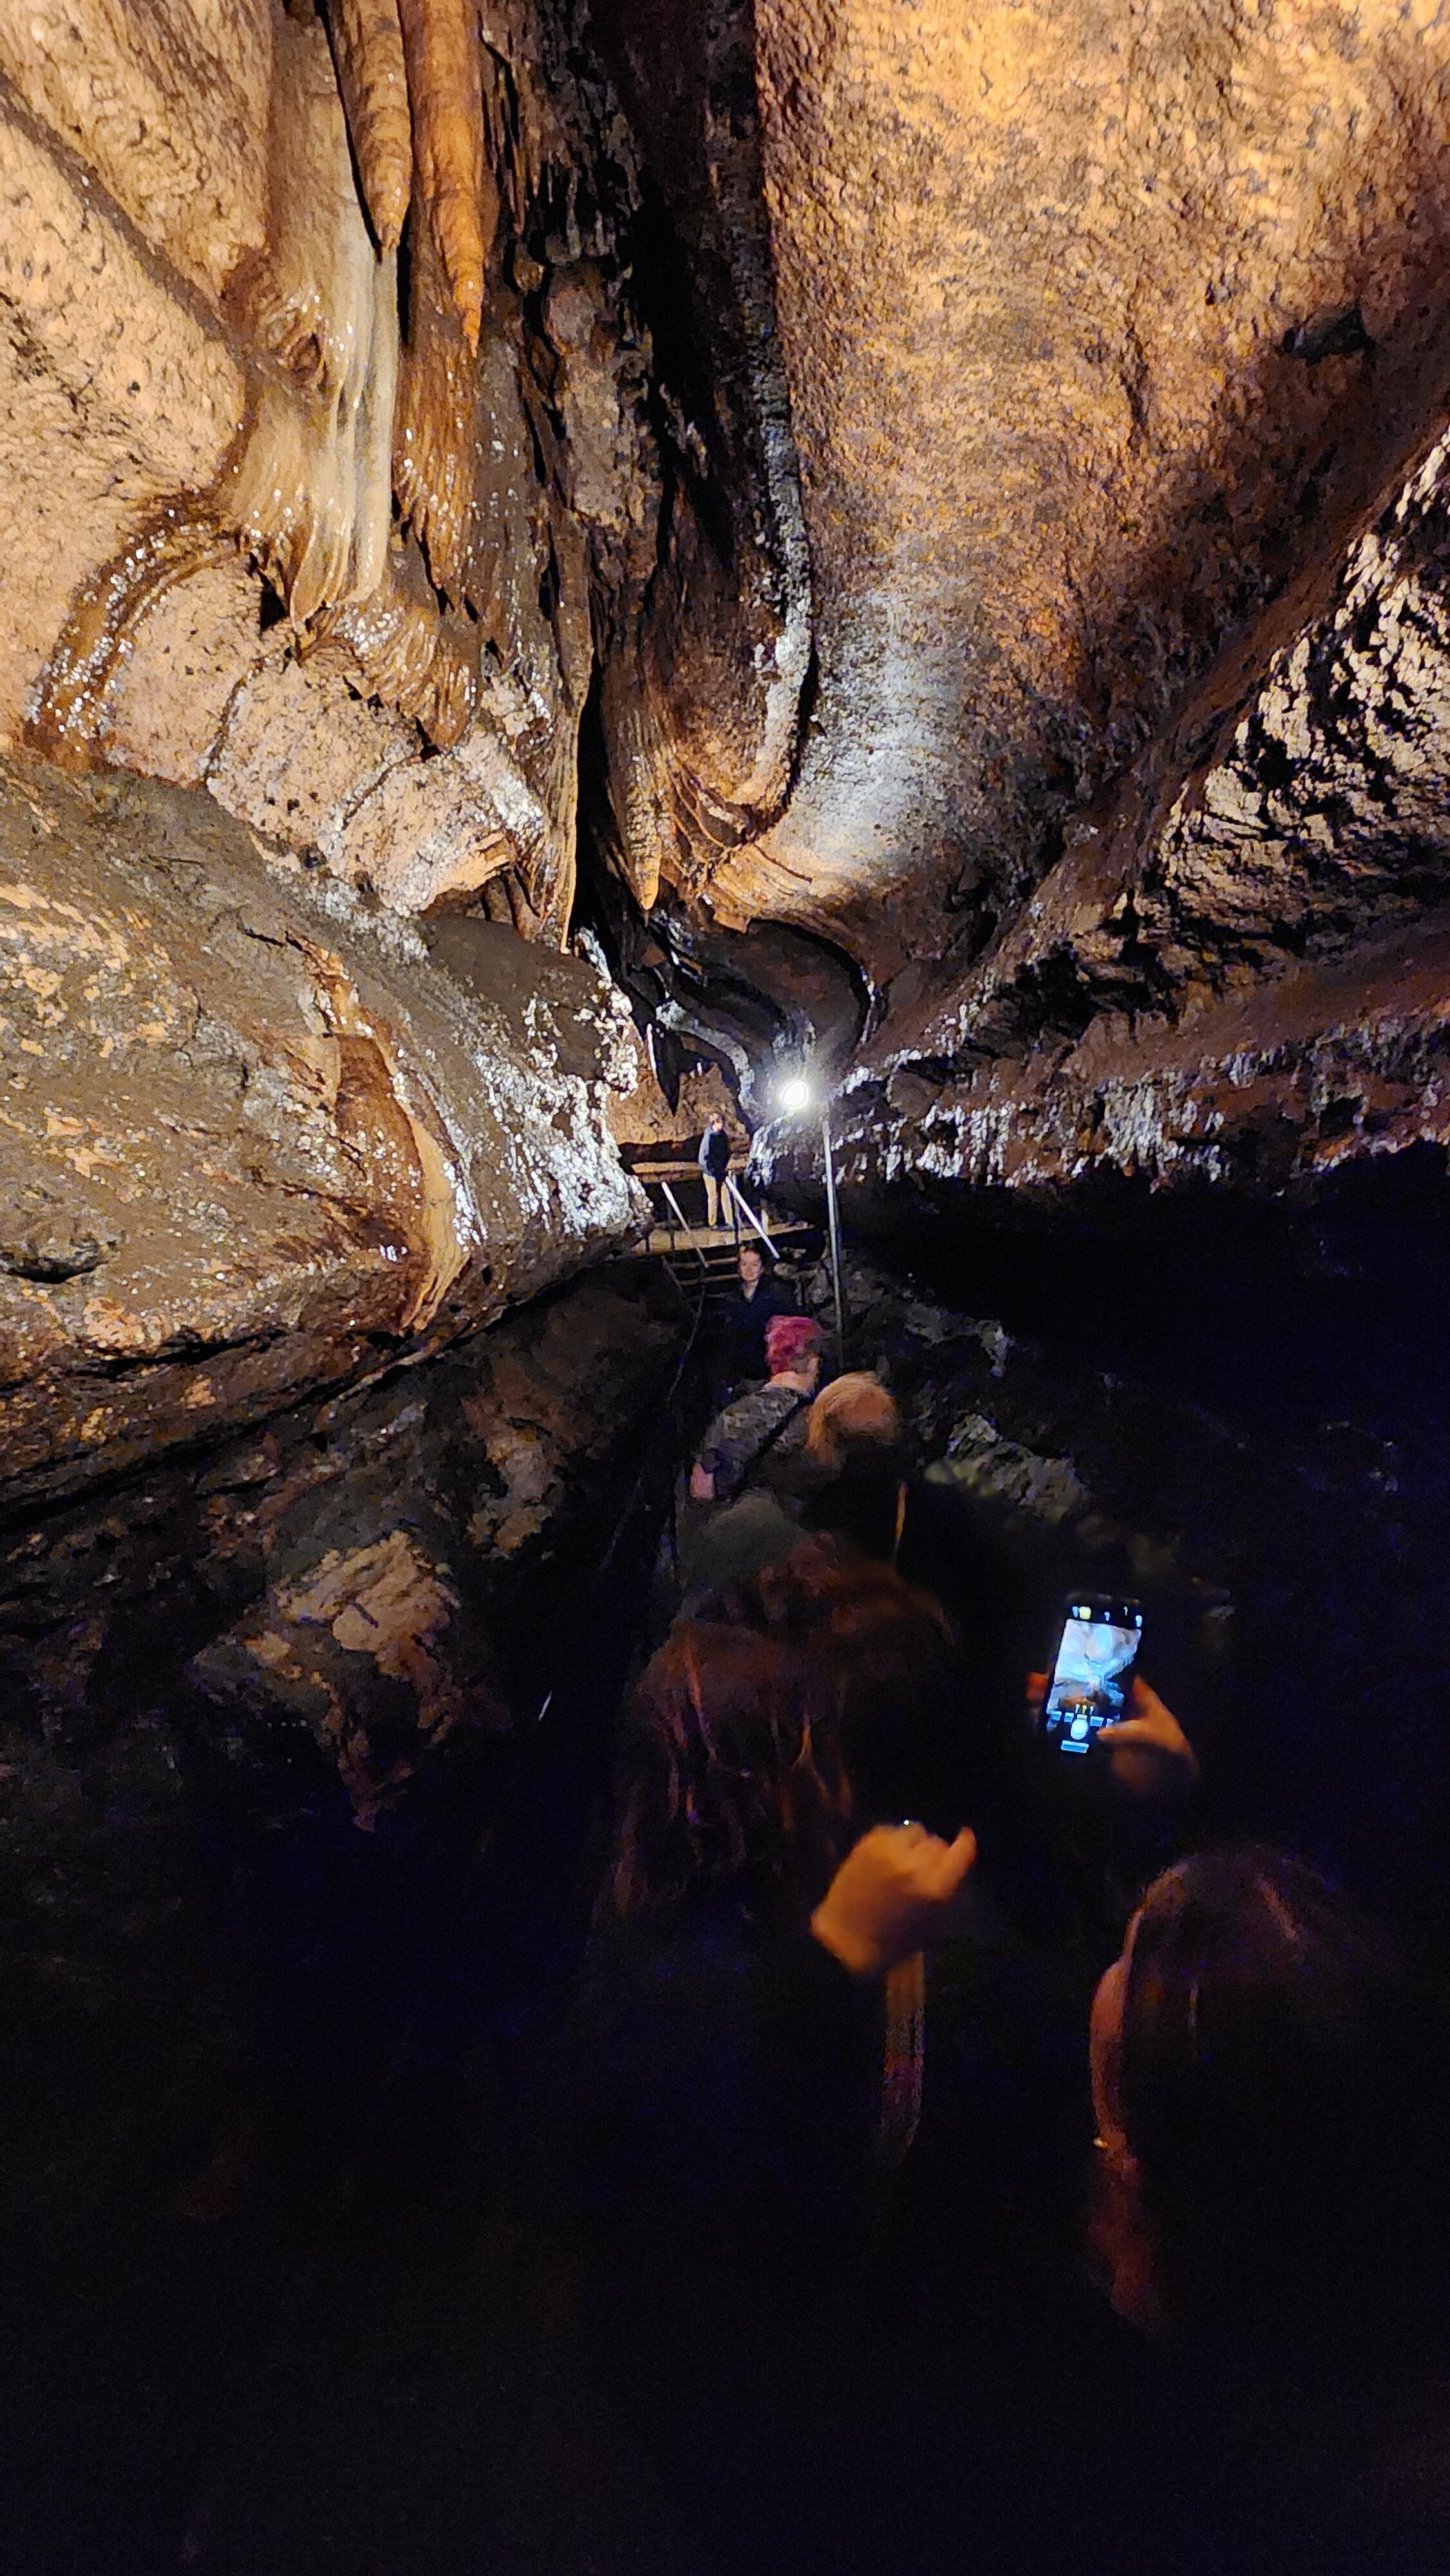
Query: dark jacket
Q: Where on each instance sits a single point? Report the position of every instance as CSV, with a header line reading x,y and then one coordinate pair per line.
x,y
715,1152
719,2093
741,1331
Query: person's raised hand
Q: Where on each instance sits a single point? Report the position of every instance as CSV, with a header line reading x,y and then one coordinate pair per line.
x,y
893,1895
1150,1755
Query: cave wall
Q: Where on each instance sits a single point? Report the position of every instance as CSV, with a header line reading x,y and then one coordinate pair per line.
x,y
308,1627
278,1515
355,453
1117,382
913,540
834,472
242,390
255,1141
1094,333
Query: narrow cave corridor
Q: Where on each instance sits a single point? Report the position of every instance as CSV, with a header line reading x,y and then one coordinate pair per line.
x,y
723,1006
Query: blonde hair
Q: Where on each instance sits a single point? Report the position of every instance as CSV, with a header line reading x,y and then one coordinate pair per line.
x,y
852,1413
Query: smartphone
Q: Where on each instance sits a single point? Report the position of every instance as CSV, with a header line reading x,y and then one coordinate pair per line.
x,y
1093,1671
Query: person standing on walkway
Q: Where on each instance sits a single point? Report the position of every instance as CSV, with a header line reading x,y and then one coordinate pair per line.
x,y
714,1167
745,1317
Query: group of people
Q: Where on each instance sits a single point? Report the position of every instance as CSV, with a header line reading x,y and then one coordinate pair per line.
x,y
860,1925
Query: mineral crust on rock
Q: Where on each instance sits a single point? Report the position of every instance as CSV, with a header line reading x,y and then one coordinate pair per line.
x,y
253,1142
963,495
1235,975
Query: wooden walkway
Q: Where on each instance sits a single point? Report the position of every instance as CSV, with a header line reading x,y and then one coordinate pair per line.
x,y
693,1251
723,1238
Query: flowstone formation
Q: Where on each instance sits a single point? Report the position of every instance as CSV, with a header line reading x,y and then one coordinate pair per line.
x,y
272,1501
906,527
254,1143
341,476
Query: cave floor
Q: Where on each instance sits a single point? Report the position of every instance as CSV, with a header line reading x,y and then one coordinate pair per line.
x,y
361,2361
340,2348
279,2301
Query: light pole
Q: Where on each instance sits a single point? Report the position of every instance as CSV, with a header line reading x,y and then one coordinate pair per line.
x,y
796,1095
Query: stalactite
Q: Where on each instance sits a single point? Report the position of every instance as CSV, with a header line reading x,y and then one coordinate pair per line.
x,y
367,44
436,430
440,38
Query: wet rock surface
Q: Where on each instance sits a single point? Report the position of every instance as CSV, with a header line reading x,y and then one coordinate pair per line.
x,y
250,1147
1233,976
305,1629
941,524
370,532
1090,350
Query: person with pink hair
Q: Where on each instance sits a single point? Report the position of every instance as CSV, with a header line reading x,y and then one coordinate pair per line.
x,y
767,1423
736,1512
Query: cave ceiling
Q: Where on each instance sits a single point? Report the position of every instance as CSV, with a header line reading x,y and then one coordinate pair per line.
x,y
910,531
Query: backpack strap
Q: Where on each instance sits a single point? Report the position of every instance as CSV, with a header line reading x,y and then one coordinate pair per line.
x,y
902,2063
766,1445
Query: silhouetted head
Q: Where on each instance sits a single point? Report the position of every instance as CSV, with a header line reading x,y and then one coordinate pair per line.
x,y
732,1773
887,1656
863,1505
1265,2079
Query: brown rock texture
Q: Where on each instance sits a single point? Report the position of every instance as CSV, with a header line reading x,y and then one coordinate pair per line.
x,y
308,1620
252,1143
1235,974
161,104
963,490
398,1547
1095,327
219,387
701,706
644,1117
120,394
1115,380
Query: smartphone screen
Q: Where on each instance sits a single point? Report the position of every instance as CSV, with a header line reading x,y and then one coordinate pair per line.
x,y
1093,1673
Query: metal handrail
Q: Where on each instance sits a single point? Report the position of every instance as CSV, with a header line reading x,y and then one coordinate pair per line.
x,y
689,1230
747,1210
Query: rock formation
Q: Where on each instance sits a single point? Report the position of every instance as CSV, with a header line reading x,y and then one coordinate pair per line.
x,y
948,507
267,1156
1233,975
395,384
915,539
251,1147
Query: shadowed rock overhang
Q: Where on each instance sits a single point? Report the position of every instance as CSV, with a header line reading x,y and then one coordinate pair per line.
x,y
919,531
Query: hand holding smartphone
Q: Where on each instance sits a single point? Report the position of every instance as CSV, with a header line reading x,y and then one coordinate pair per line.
x,y
1092,1672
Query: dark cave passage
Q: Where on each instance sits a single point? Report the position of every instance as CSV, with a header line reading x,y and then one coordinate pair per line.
x,y
278,2264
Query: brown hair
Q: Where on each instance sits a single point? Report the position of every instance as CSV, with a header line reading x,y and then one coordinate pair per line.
x,y
888,1657
733,1773
1275,2081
